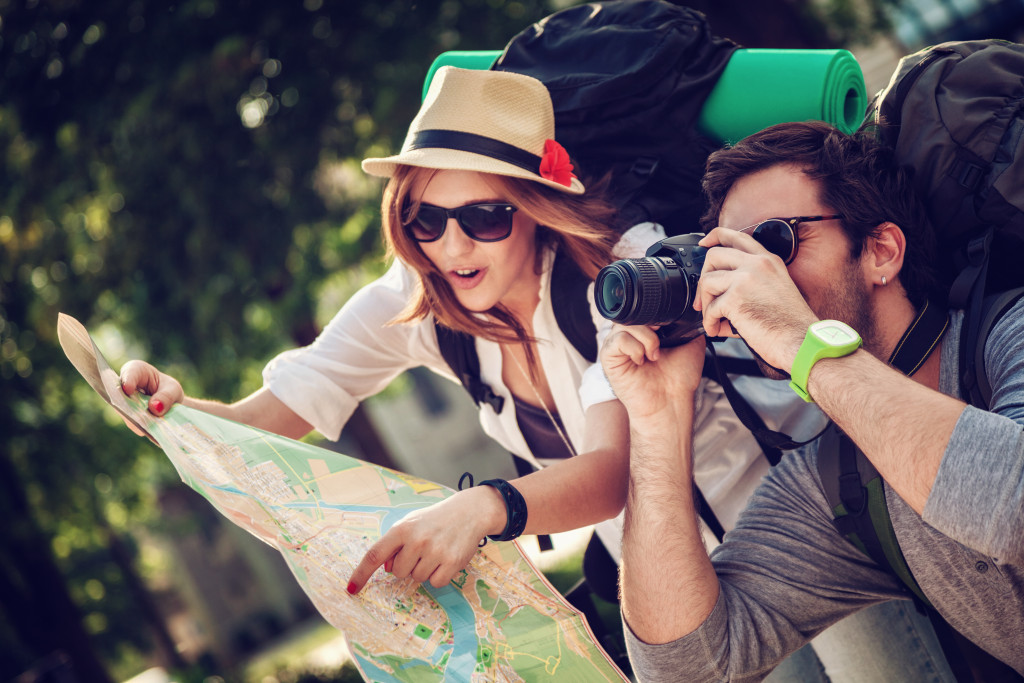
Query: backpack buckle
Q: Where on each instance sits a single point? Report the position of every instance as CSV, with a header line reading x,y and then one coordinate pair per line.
x,y
492,399
968,174
853,494
644,167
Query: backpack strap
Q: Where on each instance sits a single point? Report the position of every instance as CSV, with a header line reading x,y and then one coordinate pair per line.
x,y
856,496
853,487
974,385
459,351
707,514
572,310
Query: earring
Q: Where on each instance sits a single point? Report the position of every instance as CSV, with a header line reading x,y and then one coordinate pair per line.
x,y
883,281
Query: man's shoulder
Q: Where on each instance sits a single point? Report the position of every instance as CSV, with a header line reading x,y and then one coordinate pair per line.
x,y
1010,323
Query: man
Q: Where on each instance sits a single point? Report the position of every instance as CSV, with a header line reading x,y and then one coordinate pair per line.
x,y
953,474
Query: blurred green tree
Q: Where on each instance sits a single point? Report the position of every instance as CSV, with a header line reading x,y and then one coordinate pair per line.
x,y
182,177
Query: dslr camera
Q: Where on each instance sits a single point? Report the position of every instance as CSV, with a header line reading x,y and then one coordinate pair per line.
x,y
658,289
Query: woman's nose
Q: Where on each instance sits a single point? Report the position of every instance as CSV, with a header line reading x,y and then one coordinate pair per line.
x,y
455,240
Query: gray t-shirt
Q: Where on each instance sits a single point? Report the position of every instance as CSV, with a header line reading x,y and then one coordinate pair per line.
x,y
786,574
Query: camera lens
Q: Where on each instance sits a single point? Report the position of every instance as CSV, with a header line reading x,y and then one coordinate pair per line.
x,y
641,291
656,290
613,292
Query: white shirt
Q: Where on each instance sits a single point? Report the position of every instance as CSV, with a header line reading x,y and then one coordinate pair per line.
x,y
359,353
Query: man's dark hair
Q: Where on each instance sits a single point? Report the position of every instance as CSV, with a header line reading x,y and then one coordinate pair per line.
x,y
858,178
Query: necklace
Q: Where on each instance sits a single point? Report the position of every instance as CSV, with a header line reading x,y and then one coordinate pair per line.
x,y
543,405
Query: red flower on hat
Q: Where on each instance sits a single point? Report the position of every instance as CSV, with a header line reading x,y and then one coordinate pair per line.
x,y
554,165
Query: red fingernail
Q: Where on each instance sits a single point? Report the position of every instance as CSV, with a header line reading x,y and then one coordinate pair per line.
x,y
157,406
387,566
351,588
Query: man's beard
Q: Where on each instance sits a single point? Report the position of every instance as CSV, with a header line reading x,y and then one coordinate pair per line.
x,y
844,299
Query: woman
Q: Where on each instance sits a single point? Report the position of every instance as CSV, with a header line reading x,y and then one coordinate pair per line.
x,y
479,201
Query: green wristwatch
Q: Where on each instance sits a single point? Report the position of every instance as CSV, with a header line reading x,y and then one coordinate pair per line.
x,y
824,339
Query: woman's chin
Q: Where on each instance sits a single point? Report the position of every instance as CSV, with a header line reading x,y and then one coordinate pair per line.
x,y
474,302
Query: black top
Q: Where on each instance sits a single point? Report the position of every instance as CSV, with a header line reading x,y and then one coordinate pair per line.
x,y
540,433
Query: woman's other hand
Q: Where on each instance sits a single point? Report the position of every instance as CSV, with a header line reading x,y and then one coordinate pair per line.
x,y
162,389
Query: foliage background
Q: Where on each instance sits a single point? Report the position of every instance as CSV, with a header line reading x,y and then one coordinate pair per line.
x,y
183,178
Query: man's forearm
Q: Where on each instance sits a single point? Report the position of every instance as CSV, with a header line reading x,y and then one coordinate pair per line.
x,y
668,585
901,425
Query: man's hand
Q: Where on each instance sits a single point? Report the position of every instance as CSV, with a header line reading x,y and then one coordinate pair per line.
x,y
435,543
646,377
668,587
750,288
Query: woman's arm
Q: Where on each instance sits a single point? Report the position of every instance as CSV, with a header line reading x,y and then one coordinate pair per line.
x,y
317,386
435,543
261,409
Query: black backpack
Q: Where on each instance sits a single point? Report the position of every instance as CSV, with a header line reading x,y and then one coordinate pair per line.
x,y
954,113
628,81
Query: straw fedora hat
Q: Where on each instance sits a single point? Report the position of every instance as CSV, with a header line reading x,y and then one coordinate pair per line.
x,y
487,121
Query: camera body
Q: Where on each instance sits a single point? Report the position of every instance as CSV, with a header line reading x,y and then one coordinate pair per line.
x,y
658,289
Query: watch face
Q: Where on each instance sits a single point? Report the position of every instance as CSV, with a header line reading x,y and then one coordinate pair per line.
x,y
834,332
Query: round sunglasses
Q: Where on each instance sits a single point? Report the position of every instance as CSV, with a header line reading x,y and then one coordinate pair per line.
x,y
779,236
489,222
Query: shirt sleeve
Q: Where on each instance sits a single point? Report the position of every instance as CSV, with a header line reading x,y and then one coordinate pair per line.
x,y
785,576
357,354
978,494
595,387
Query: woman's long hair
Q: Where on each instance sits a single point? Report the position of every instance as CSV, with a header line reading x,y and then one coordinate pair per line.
x,y
579,225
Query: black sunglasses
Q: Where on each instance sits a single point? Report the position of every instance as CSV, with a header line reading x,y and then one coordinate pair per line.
x,y
778,235
481,222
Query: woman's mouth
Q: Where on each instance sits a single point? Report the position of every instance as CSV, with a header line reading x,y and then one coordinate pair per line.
x,y
465,278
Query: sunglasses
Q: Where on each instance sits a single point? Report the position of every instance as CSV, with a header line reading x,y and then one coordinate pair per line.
x,y
481,222
778,235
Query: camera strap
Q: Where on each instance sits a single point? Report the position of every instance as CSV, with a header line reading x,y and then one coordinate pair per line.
x,y
772,443
920,339
916,344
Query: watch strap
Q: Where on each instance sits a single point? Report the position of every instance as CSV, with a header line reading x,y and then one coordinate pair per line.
x,y
813,349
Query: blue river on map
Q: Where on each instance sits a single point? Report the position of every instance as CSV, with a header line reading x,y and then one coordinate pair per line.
x,y
462,660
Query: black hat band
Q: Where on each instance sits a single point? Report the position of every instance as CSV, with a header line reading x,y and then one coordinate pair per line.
x,y
477,144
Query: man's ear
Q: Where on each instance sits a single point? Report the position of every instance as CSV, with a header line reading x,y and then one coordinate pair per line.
x,y
884,254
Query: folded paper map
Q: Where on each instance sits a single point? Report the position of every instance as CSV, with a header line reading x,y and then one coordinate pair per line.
x,y
499,620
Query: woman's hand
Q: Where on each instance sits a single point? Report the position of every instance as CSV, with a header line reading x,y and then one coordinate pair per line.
x,y
163,390
435,543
